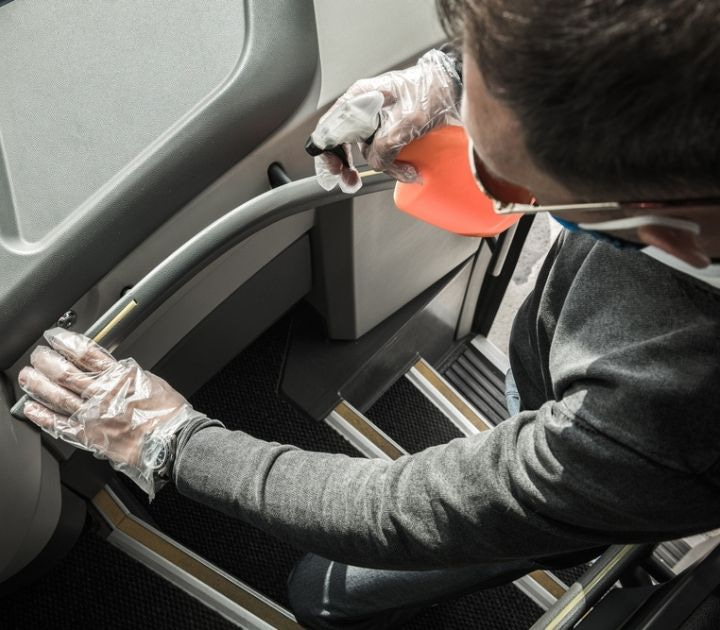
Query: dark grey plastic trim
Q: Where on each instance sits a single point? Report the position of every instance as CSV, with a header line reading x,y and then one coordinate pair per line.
x,y
31,501
39,281
241,317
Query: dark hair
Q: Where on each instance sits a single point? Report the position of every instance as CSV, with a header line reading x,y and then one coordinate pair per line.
x,y
618,98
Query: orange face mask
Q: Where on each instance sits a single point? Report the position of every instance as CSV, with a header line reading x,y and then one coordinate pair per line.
x,y
446,194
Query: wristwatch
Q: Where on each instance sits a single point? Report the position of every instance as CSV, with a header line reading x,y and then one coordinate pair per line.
x,y
160,461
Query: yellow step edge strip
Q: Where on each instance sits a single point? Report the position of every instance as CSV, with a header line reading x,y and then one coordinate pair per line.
x,y
549,583
136,530
359,423
451,395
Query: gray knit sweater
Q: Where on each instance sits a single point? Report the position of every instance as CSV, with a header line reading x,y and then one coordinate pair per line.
x,y
617,360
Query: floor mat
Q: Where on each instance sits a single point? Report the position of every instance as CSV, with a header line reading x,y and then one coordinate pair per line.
x,y
98,586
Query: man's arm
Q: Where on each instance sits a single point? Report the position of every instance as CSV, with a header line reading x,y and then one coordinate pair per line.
x,y
572,475
539,484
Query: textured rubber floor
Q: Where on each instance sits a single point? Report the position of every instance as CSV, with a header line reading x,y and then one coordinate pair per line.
x,y
98,586
479,382
410,418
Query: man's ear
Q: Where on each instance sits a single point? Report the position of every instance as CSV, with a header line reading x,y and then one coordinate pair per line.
x,y
679,243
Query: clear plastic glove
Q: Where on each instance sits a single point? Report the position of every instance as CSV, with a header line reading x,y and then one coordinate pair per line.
x,y
414,101
114,409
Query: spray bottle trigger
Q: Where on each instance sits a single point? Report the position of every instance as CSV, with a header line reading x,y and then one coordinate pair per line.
x,y
314,150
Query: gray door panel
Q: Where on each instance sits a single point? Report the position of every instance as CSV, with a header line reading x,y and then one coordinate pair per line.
x,y
96,156
29,493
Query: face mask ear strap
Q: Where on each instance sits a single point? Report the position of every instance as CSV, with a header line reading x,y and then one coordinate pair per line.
x,y
617,243
630,223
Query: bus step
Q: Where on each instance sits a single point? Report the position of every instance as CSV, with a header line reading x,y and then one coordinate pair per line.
x,y
403,415
221,592
478,375
423,410
244,395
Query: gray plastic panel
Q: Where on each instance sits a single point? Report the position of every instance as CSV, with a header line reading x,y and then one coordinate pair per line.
x,y
239,320
373,260
208,289
29,493
245,68
75,110
401,31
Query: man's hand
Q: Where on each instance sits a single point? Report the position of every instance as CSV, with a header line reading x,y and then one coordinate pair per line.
x,y
115,409
414,101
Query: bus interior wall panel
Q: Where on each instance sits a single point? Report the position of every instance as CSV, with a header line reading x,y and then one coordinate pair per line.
x,y
318,372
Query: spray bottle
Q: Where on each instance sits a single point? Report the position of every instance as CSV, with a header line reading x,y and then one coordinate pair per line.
x,y
445,193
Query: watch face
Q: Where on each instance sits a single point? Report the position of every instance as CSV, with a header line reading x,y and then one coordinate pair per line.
x,y
162,456
155,455
158,455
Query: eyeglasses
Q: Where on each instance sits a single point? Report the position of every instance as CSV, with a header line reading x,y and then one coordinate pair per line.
x,y
508,198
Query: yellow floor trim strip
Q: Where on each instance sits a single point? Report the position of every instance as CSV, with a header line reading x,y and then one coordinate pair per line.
x,y
545,579
136,530
359,423
429,374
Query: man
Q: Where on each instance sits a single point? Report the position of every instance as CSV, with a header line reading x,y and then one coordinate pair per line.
x,y
615,353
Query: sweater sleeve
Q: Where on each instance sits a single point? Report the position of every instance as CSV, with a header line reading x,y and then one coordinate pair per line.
x,y
539,484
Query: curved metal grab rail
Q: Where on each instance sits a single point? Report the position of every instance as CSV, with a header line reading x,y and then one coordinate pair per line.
x,y
207,246
591,586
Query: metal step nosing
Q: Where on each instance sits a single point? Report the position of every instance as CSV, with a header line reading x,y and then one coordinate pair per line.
x,y
480,392
363,434
211,586
542,587
488,349
466,425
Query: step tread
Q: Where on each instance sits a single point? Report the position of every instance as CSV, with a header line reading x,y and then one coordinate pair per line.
x,y
411,419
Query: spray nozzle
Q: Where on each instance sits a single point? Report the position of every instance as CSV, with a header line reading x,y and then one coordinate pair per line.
x,y
355,120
